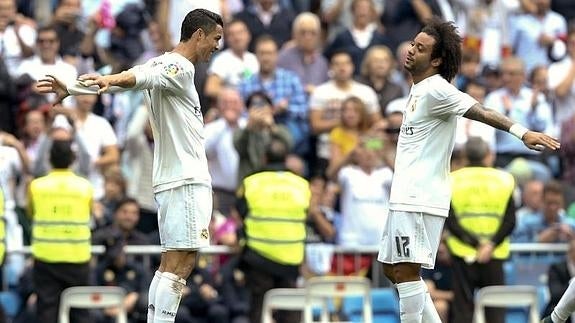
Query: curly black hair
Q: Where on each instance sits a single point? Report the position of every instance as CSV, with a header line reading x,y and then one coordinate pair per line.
x,y
447,46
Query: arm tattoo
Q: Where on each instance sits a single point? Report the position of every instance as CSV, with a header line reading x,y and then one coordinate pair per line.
x,y
489,116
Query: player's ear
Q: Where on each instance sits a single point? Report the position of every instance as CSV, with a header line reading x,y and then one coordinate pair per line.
x,y
436,62
199,34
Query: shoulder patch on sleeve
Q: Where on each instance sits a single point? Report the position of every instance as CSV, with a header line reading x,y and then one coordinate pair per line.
x,y
172,69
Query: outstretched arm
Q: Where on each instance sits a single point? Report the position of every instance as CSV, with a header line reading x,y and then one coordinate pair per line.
x,y
532,139
87,84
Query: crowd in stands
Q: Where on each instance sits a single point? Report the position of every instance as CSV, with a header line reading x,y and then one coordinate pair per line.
x,y
325,78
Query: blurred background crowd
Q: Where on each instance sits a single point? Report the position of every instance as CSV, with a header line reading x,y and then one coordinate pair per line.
x,y
323,78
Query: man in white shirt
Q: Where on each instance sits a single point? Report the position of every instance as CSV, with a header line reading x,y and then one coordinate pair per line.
x,y
233,64
420,191
223,159
182,183
561,83
16,36
47,61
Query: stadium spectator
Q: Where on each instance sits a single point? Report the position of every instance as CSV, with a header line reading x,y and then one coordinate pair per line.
x,y
531,199
267,17
470,69
126,217
375,71
273,250
8,99
325,104
364,182
223,159
359,37
549,225
321,227
67,22
561,85
100,140
531,34
515,100
17,35
487,29
117,269
14,167
114,192
250,142
234,64
234,291
138,157
290,106
201,302
303,57
479,244
47,61
344,138
337,15
559,274
60,204
467,128
402,20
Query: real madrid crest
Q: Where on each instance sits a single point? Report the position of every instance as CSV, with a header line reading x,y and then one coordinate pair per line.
x,y
204,234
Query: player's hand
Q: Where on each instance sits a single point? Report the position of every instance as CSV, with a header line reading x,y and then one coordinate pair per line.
x,y
102,82
539,141
50,84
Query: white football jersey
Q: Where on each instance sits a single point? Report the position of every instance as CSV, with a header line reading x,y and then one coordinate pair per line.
x,y
177,122
421,177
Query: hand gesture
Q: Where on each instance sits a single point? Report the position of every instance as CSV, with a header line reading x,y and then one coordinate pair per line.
x,y
539,141
50,84
102,82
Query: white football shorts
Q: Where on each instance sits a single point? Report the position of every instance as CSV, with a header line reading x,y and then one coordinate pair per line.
x,y
184,214
411,237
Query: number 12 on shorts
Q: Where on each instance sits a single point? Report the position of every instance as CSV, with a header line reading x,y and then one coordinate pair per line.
x,y
402,246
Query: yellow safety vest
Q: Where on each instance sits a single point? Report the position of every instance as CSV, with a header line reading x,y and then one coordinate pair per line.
x,y
479,200
275,225
60,227
2,228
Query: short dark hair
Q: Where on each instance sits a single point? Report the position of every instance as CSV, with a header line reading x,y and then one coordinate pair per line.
x,y
265,38
199,18
447,46
553,187
61,154
276,151
340,51
124,201
258,94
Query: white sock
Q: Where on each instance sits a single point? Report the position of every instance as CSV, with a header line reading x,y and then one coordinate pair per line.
x,y
168,295
430,314
152,296
566,305
411,301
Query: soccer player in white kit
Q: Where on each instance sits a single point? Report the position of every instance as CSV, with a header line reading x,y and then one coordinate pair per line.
x,y
420,191
181,181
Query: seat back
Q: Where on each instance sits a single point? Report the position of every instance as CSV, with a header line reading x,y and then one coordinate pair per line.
x,y
291,299
508,297
328,287
384,302
92,297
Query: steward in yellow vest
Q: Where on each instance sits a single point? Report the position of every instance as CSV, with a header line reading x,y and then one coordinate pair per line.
x,y
481,220
60,205
274,205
